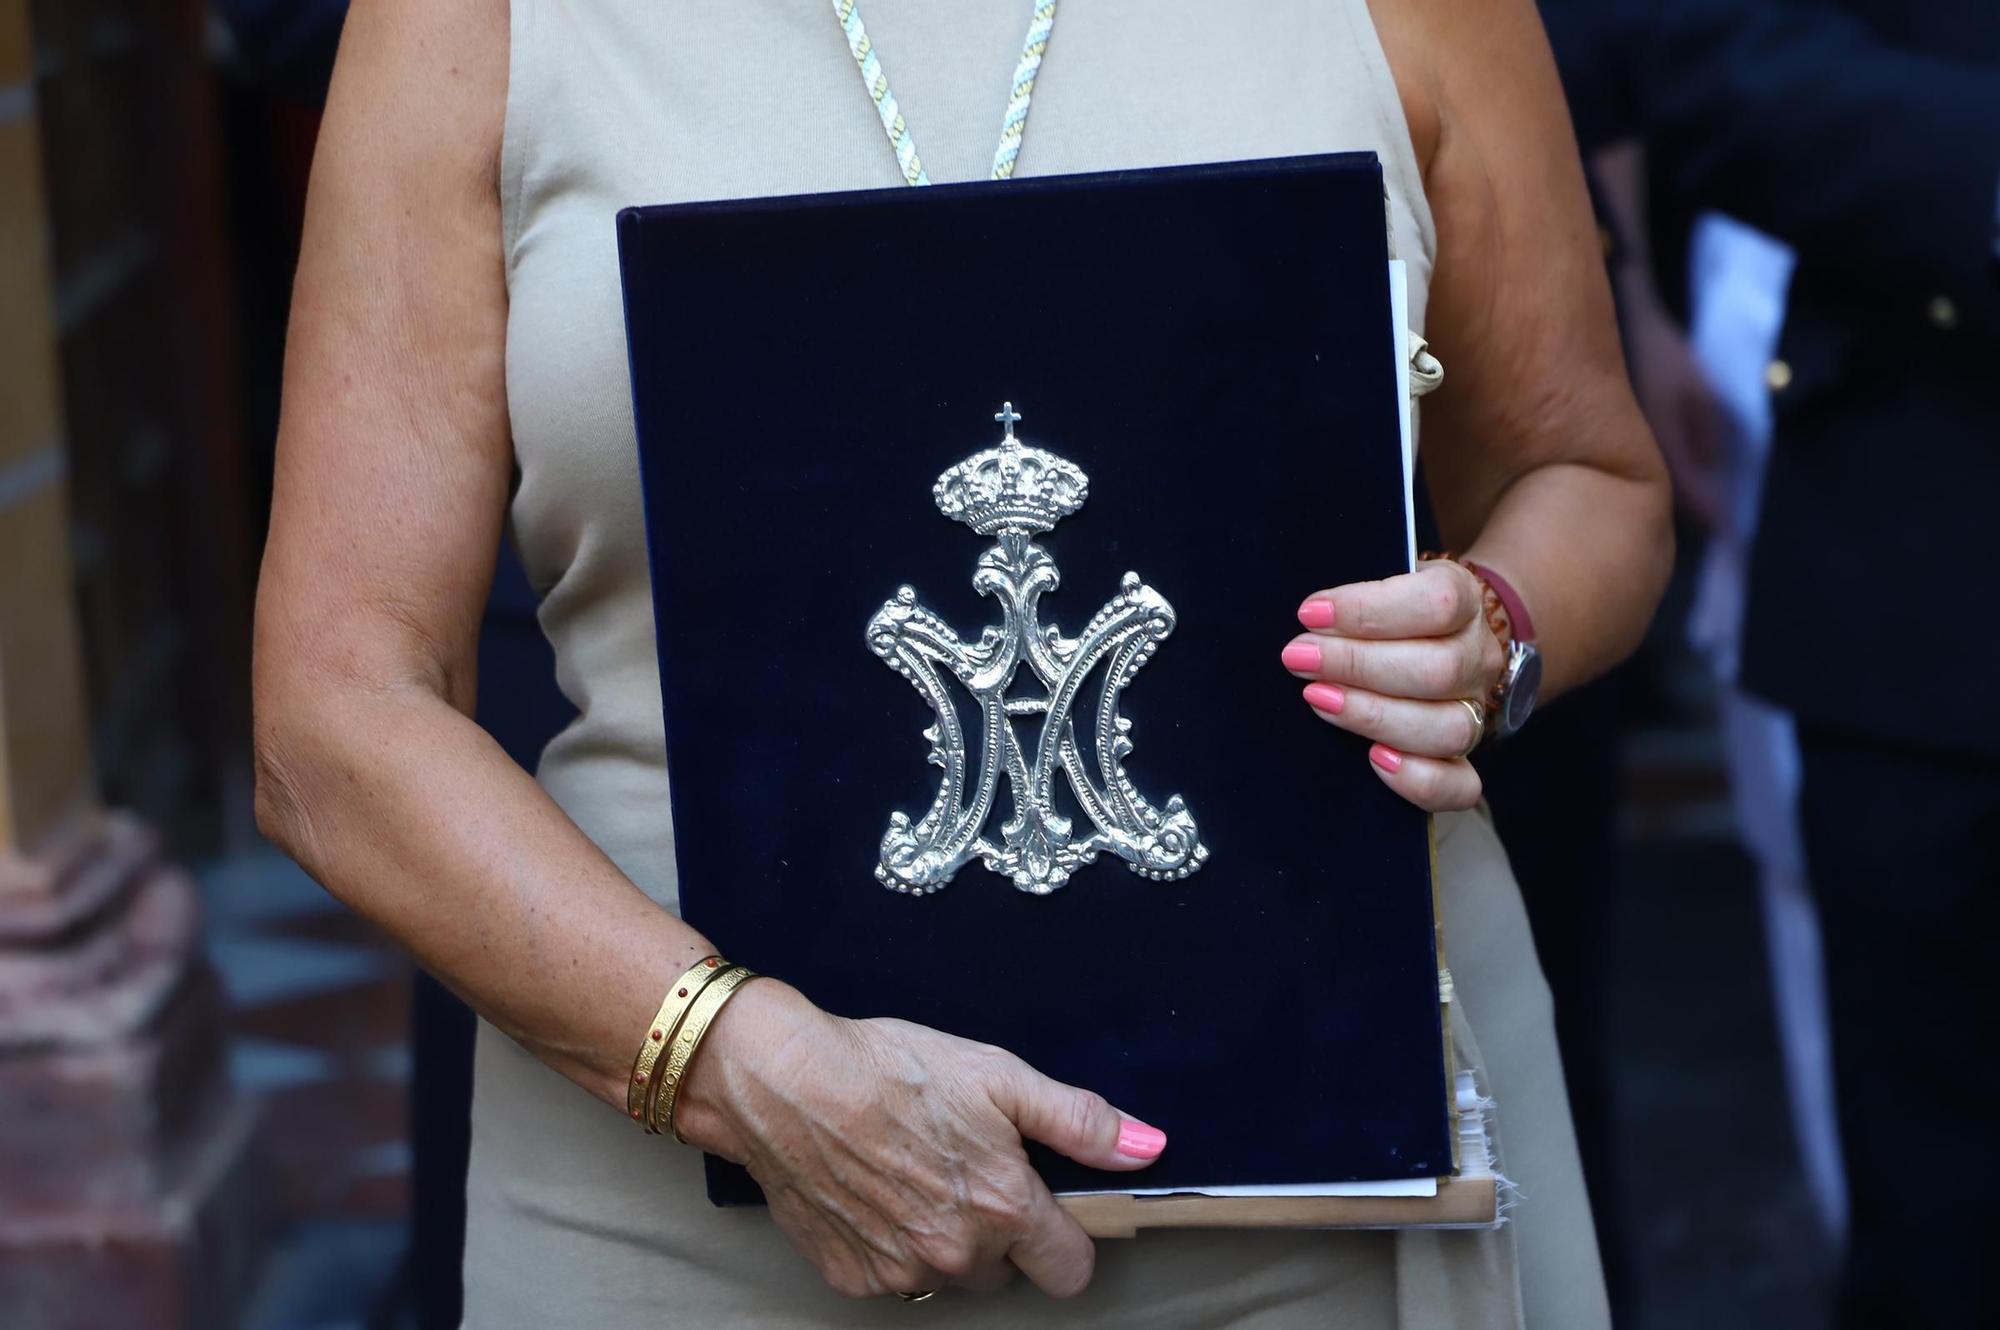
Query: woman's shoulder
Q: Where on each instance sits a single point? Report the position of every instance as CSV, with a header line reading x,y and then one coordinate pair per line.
x,y
1436,50
434,73
1406,29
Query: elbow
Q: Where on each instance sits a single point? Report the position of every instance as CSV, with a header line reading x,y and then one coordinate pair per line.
x,y
1649,560
1659,537
283,780
290,761
321,716
336,680
1658,546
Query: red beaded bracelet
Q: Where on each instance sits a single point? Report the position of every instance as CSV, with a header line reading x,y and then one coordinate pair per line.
x,y
1517,609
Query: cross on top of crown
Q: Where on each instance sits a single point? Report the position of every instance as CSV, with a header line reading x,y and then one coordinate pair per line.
x,y
1011,486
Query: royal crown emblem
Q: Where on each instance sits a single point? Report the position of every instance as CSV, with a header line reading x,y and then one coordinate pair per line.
x,y
1014,492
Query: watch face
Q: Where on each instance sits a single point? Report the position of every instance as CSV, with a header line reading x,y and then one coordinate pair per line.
x,y
1524,685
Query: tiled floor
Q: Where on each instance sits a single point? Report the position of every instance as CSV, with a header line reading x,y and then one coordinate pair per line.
x,y
321,1014
1716,1213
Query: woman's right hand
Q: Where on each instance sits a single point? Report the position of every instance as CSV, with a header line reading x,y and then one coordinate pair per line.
x,y
891,1153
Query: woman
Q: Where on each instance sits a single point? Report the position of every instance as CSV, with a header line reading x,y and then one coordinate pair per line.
x,y
457,362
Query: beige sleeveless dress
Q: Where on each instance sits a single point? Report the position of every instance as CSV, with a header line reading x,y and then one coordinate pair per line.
x,y
576,1219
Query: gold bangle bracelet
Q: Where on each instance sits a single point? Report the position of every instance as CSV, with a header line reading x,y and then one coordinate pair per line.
x,y
680,996
673,1070
679,1060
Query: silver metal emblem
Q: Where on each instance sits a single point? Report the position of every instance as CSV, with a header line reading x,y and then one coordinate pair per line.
x,y
1013,492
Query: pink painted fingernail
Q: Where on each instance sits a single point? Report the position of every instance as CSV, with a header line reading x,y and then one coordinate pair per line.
x,y
1302,658
1325,697
1386,758
1317,613
1136,1140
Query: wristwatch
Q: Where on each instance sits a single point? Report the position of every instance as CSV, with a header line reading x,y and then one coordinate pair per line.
x,y
1521,678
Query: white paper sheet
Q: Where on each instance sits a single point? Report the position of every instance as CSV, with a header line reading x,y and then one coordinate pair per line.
x,y
1399,312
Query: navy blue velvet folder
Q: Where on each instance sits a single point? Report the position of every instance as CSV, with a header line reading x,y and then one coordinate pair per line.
x,y
1213,346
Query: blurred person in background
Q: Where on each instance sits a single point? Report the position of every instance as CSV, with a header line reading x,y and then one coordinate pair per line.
x,y
1737,281
1700,379
1865,136
1557,790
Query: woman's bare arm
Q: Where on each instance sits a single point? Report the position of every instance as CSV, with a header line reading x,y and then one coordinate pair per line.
x,y
394,460
1538,459
1539,464
891,1154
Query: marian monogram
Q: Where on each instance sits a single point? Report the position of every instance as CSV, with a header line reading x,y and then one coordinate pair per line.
x,y
1012,493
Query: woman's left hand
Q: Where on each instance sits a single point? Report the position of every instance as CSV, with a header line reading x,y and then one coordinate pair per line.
x,y
1390,660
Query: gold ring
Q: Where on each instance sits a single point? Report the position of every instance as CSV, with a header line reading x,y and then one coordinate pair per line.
x,y
924,1296
1478,714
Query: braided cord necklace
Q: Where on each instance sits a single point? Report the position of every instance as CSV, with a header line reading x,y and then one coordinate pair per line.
x,y
1425,372
1012,124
